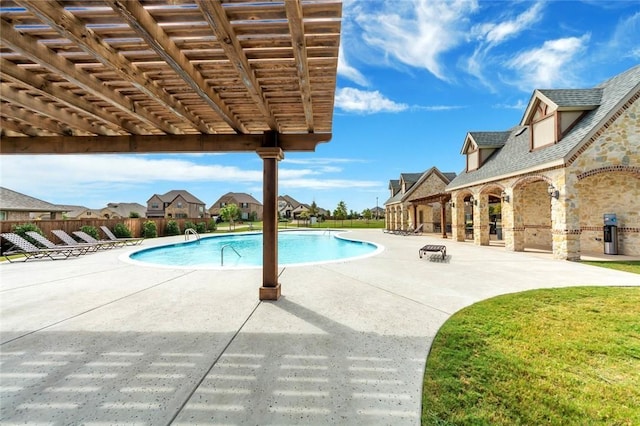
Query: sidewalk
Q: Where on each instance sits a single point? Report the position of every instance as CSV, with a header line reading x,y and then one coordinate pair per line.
x,y
94,340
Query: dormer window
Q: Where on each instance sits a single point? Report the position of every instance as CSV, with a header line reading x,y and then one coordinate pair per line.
x,y
552,114
479,146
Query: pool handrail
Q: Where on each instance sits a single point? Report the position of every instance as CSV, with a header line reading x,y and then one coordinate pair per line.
x,y
191,231
222,253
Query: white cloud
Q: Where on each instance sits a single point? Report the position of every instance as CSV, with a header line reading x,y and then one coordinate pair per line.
x,y
349,72
492,34
365,102
416,33
324,184
496,33
549,65
624,41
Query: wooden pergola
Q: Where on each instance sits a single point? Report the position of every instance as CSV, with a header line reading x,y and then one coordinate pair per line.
x,y
443,198
171,76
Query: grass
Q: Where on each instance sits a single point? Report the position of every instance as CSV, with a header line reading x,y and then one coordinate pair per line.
x,y
566,356
626,266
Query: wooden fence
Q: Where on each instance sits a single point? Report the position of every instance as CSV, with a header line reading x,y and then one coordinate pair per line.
x,y
135,225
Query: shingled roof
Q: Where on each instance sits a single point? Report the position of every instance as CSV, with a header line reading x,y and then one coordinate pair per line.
x,y
515,156
16,201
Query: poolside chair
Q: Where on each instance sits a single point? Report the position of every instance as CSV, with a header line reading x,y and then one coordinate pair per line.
x,y
30,251
127,241
69,240
104,243
44,241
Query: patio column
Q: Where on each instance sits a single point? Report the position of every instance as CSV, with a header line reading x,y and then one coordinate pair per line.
x,y
270,289
481,220
565,219
443,216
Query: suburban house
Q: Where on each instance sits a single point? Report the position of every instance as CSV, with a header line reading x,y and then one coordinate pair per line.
x,y
111,211
17,206
250,208
573,158
419,200
289,208
176,204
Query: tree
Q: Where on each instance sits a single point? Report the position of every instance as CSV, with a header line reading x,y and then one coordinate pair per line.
x,y
367,214
304,215
313,209
230,213
340,213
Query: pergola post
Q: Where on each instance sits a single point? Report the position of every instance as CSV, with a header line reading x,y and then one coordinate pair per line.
x,y
270,289
443,216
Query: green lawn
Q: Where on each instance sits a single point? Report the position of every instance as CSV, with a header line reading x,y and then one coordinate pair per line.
x,y
557,356
627,266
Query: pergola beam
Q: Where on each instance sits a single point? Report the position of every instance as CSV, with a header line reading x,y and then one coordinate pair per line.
x,y
40,54
155,144
216,17
146,27
35,83
18,97
299,45
72,28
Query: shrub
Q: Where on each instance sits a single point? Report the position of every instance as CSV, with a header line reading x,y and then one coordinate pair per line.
x,y
212,226
172,228
134,215
120,230
188,224
201,227
91,230
149,229
24,228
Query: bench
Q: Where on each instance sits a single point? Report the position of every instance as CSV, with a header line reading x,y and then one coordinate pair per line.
x,y
433,248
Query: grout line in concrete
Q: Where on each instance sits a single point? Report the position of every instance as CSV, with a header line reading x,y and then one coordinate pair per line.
x,y
215,361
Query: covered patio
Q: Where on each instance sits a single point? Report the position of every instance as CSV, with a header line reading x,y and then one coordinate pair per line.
x,y
192,76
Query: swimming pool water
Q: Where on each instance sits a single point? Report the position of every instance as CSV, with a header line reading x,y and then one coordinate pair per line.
x,y
297,247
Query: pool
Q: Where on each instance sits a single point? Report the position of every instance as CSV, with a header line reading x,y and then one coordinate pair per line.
x,y
245,251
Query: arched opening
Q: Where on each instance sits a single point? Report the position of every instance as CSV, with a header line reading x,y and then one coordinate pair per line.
x,y
610,193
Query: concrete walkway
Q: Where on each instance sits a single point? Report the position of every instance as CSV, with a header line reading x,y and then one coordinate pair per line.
x,y
97,341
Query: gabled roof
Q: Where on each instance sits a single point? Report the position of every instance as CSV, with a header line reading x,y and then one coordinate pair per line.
x,y
394,184
485,140
516,156
172,195
16,201
294,203
563,100
239,197
124,209
415,183
410,178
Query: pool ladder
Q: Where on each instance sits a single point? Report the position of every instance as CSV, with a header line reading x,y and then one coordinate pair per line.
x,y
193,232
222,253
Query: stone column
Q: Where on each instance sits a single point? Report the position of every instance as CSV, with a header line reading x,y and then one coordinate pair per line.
x,y
565,219
481,220
270,289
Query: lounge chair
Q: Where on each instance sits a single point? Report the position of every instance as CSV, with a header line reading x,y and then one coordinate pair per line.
x,y
30,251
44,241
70,241
127,241
104,243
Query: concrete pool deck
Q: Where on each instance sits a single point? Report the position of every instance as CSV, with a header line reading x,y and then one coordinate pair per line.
x,y
96,341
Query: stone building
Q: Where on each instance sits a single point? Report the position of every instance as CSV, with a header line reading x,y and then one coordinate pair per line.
x,y
418,199
574,157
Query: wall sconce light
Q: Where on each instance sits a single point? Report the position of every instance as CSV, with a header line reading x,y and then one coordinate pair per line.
x,y
553,193
452,204
505,197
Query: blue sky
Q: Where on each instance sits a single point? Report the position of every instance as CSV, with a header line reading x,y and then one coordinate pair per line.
x,y
413,78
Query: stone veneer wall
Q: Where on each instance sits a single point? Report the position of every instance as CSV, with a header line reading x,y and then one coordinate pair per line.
x,y
536,210
607,170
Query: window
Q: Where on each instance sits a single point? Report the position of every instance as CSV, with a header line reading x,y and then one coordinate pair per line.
x,y
3,215
223,204
244,205
179,204
154,206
